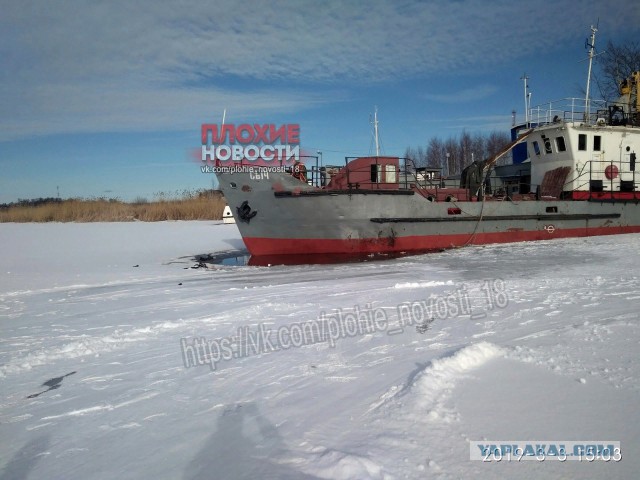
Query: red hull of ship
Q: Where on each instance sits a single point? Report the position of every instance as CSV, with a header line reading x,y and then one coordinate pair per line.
x,y
305,246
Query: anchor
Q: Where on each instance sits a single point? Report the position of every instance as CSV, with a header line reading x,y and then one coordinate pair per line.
x,y
245,213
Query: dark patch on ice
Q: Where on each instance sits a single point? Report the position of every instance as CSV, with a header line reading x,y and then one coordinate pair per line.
x,y
229,258
243,258
424,327
52,383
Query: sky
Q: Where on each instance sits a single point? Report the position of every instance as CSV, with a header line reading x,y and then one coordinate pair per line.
x,y
107,98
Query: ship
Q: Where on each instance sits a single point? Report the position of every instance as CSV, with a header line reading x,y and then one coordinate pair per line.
x,y
582,182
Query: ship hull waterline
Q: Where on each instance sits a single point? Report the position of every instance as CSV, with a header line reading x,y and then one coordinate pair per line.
x,y
283,216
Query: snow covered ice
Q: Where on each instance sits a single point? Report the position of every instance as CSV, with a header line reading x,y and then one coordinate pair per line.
x,y
530,341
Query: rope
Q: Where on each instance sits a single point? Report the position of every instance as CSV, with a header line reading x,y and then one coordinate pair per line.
x,y
475,230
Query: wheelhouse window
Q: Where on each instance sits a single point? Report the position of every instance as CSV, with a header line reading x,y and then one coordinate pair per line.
x,y
536,147
597,144
560,145
582,142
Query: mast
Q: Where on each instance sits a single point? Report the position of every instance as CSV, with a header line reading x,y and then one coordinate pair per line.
x,y
592,47
526,99
375,130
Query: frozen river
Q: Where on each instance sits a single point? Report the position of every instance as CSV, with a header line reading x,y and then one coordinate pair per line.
x,y
119,360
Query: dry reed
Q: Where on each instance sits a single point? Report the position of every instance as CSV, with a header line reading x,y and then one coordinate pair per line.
x,y
200,206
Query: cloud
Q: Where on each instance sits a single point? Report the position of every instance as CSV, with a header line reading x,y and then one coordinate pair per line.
x,y
76,66
86,108
485,123
463,96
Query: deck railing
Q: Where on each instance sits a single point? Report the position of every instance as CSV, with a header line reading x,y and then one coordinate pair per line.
x,y
567,110
618,176
592,179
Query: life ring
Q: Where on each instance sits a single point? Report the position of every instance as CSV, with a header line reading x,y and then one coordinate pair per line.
x,y
299,171
611,172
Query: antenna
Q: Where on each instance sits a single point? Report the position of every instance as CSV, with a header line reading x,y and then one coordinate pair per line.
x,y
527,98
591,43
375,130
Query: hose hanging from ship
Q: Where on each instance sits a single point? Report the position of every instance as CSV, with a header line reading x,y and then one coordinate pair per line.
x,y
474,177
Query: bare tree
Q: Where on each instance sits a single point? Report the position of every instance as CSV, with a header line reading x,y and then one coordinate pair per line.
x,y
466,150
418,156
453,154
496,142
478,146
422,157
410,154
616,64
436,153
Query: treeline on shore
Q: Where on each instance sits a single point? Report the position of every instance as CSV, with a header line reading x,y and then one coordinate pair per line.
x,y
190,205
455,153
